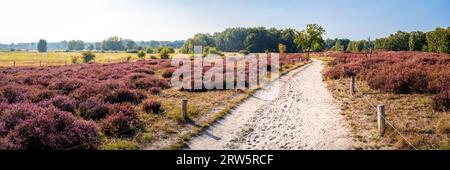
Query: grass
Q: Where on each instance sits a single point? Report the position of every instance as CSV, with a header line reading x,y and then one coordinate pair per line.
x,y
411,114
33,59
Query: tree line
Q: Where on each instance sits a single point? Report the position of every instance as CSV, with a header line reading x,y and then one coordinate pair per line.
x,y
119,44
259,39
437,41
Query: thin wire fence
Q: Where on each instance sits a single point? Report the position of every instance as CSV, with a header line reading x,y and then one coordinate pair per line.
x,y
384,118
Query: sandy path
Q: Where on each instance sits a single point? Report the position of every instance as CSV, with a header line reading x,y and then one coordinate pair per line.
x,y
302,116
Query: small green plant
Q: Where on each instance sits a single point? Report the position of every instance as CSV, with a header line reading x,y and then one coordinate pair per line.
x,y
88,56
74,59
164,53
141,54
245,52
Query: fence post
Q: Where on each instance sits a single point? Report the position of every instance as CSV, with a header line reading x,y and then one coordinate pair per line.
x,y
14,63
184,109
352,85
381,120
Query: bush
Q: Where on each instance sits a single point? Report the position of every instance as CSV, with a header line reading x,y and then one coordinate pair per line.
x,y
152,106
168,73
14,94
64,103
133,51
141,54
30,127
441,101
164,53
93,109
66,85
124,95
149,50
88,56
38,95
122,121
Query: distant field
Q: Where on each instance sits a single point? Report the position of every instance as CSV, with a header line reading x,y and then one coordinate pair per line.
x,y
30,59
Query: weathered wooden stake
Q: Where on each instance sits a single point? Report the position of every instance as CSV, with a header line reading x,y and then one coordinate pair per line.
x,y
14,63
381,121
352,85
184,109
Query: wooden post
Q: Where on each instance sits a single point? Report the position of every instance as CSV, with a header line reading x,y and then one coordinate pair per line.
x,y
184,109
381,120
40,63
14,63
352,86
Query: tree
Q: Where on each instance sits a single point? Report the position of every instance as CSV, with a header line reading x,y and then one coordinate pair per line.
x,y
338,46
439,40
281,48
149,50
310,39
112,44
90,47
141,54
75,45
42,46
87,56
130,44
417,40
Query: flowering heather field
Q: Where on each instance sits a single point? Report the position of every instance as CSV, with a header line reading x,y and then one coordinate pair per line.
x,y
414,86
97,106
398,72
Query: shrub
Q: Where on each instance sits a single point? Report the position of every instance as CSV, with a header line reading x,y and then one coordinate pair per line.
x,y
122,121
64,103
141,54
66,85
124,95
93,109
441,101
152,106
164,53
31,127
155,90
149,50
168,73
14,94
87,56
133,51
38,95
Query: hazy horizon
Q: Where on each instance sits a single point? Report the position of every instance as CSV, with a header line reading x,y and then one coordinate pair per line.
x,y
140,20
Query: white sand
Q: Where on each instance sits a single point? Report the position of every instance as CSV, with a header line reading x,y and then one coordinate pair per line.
x,y
302,116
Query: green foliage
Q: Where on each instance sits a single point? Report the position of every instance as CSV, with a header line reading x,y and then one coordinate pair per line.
x,y
281,48
112,44
42,46
310,39
75,45
417,40
141,54
330,43
164,53
130,44
439,40
149,50
87,56
90,47
338,46
256,39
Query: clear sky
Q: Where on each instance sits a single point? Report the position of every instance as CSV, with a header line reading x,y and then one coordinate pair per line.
x,y
94,20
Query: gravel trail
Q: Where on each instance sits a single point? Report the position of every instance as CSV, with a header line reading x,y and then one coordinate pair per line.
x,y
302,116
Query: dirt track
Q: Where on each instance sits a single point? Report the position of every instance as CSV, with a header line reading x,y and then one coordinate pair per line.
x,y
302,116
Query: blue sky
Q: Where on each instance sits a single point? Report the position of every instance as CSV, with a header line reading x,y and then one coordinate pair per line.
x,y
94,20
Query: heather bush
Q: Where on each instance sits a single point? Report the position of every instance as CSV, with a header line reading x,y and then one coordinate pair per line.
x,y
168,73
66,85
124,95
27,126
64,103
38,95
14,94
152,106
441,101
122,121
93,109
153,90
